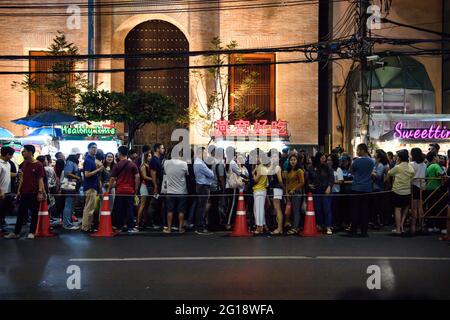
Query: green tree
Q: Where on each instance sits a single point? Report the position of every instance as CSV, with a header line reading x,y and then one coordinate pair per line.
x,y
61,83
135,108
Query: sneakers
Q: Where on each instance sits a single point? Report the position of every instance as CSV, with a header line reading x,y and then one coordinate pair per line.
x,y
329,232
71,227
132,231
30,236
12,235
203,231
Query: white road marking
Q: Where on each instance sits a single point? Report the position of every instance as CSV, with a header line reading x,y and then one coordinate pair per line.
x,y
259,258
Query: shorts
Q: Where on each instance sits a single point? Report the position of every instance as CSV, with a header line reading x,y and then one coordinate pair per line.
x,y
415,192
176,203
278,193
143,191
400,201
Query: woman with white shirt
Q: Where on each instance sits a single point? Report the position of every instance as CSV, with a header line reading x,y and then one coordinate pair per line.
x,y
420,168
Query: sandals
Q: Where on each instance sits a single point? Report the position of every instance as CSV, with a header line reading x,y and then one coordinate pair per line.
x,y
292,232
276,233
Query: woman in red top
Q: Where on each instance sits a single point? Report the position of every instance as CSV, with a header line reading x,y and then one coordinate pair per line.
x,y
145,184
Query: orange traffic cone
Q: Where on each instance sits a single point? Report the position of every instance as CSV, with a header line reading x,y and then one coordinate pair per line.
x,y
105,223
240,223
310,228
43,224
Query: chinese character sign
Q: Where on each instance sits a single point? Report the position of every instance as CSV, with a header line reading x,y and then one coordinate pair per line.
x,y
243,128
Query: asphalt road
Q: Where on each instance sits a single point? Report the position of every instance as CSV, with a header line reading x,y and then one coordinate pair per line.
x,y
153,265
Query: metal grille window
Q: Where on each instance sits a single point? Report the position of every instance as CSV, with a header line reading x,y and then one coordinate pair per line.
x,y
41,100
261,95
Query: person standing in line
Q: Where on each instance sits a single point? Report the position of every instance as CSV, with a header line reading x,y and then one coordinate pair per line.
x,y
146,182
125,176
108,164
320,182
176,171
295,182
420,169
71,186
5,183
52,185
90,186
379,212
157,173
433,187
403,174
60,163
30,193
362,186
216,204
204,177
276,187
259,194
333,163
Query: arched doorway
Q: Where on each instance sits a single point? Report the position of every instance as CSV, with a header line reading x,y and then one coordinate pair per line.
x,y
157,36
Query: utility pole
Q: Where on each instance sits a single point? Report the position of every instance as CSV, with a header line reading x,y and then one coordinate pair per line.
x,y
363,51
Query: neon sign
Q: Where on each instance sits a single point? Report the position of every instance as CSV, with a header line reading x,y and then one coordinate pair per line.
x,y
433,132
243,128
88,131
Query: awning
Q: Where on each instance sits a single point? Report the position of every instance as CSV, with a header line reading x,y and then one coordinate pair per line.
x,y
410,117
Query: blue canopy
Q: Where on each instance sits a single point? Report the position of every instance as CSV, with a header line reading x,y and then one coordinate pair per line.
x,y
46,119
5,133
54,132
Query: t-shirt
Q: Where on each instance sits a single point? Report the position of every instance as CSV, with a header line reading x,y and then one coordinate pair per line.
x,y
403,173
362,174
92,181
31,173
219,171
419,178
380,171
176,171
5,176
156,165
338,176
59,167
433,171
125,171
262,183
51,176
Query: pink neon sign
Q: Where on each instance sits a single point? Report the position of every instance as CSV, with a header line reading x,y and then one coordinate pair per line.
x,y
433,132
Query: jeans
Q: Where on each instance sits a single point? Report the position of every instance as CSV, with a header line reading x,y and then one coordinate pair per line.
x,y
124,208
258,207
68,210
322,205
296,201
27,202
360,212
203,192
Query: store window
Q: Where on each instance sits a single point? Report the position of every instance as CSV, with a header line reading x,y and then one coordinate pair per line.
x,y
252,87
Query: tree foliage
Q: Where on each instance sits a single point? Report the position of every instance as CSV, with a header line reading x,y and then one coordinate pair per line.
x,y
61,84
135,108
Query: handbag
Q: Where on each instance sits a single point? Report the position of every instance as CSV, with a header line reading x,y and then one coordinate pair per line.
x,y
67,185
235,181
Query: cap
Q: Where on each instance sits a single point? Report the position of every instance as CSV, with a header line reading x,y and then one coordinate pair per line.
x,y
75,151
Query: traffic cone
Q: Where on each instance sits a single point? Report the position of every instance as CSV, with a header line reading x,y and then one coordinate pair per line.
x,y
310,228
43,224
105,223
240,223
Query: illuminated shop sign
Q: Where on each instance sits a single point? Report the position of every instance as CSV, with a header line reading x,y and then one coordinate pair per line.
x,y
88,131
244,128
433,132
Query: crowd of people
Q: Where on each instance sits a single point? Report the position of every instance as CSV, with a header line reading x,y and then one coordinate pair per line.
x,y
160,190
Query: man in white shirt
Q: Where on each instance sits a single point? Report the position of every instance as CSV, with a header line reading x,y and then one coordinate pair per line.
x,y
176,171
5,181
